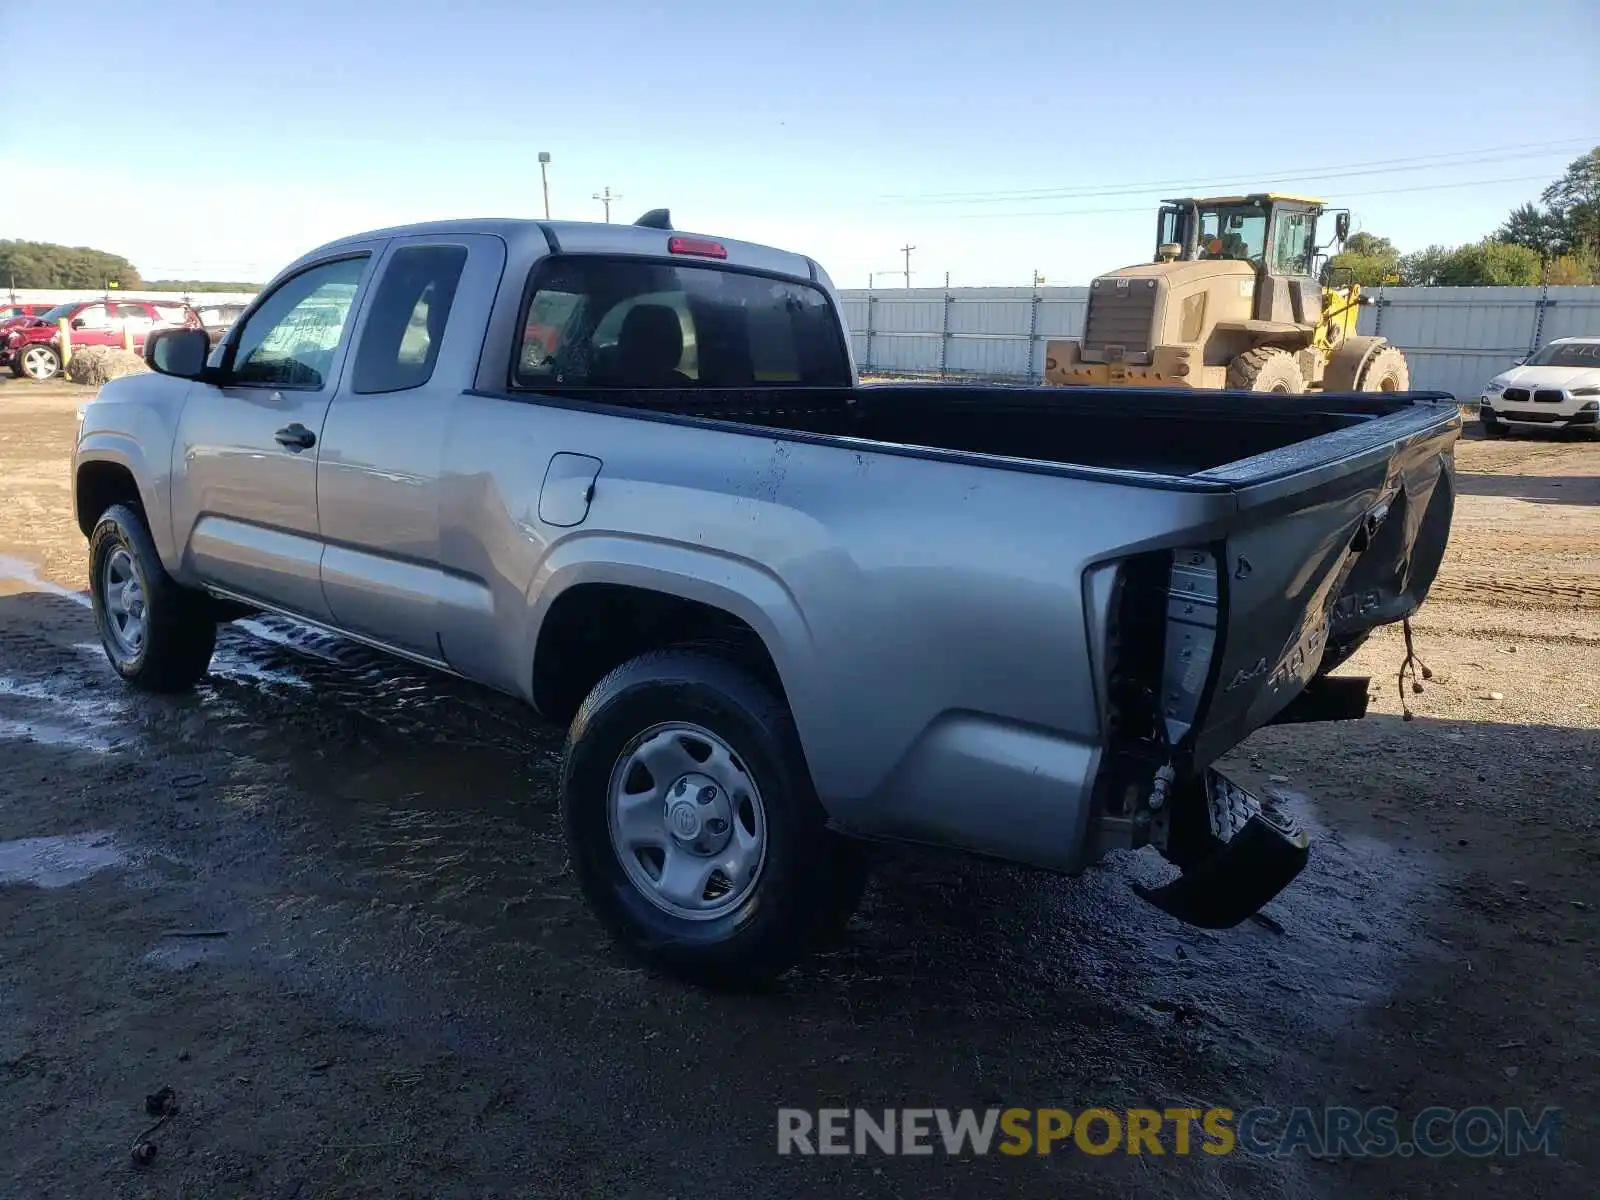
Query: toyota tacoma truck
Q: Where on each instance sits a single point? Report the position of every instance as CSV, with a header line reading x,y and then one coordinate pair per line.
x,y
781,614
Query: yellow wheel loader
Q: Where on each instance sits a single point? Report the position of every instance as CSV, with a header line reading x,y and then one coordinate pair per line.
x,y
1233,299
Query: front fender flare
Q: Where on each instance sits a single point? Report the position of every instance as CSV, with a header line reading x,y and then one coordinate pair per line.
x,y
126,451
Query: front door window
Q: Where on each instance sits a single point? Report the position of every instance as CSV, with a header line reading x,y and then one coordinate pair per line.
x,y
290,341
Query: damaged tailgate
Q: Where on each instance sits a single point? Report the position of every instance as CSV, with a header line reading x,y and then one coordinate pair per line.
x,y
1331,538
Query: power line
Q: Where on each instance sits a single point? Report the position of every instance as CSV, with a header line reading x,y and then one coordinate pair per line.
x,y
1084,212
1410,162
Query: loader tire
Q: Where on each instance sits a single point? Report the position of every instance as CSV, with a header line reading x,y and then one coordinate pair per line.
x,y
1266,370
1386,371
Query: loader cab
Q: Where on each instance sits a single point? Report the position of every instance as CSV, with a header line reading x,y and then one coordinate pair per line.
x,y
1275,234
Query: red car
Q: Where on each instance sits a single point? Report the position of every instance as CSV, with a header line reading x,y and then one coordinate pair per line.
x,y
33,348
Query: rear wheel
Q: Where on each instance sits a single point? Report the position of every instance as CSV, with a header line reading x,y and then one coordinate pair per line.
x,y
1265,369
157,634
692,824
37,362
1386,371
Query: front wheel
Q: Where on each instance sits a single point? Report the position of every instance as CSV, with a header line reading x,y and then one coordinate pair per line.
x,y
157,634
1266,369
692,824
36,362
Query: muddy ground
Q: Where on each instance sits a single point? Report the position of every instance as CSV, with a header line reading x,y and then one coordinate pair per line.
x,y
404,995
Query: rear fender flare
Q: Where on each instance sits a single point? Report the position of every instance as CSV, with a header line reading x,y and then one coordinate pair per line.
x,y
745,590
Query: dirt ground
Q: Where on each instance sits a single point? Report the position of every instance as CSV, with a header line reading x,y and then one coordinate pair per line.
x,y
325,900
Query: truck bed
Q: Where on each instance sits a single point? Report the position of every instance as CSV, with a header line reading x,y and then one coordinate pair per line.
x,y
1326,514
1211,440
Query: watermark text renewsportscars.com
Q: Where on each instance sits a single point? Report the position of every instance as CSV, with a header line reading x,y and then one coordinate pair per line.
x,y
1333,1131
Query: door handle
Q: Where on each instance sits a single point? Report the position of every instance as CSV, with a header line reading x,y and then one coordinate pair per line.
x,y
296,437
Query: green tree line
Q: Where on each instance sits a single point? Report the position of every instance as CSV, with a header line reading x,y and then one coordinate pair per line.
x,y
1554,241
48,265
198,285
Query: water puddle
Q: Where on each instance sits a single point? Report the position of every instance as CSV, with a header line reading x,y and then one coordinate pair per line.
x,y
231,664
180,954
55,862
74,721
48,733
20,571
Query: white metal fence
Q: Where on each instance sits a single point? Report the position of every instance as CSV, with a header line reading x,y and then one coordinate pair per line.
x,y
1455,338
62,295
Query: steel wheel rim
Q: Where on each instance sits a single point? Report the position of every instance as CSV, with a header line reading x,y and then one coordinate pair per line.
x,y
686,821
122,596
38,362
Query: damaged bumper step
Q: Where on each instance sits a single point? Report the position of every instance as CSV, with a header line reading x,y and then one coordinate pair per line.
x,y
1235,854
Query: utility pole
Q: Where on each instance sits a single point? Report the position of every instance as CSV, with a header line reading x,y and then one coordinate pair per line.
x,y
906,250
544,179
606,197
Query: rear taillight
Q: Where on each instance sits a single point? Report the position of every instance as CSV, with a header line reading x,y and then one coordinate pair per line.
x,y
696,246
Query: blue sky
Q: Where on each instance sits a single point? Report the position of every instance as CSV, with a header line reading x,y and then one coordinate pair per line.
x,y
221,140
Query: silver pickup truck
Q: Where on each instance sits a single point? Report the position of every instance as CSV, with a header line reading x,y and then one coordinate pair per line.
x,y
629,475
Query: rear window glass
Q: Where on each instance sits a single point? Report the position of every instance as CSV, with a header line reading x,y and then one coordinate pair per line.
x,y
625,323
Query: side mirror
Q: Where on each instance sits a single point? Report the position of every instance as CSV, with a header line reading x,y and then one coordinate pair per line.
x,y
79,323
179,352
1341,226
1518,362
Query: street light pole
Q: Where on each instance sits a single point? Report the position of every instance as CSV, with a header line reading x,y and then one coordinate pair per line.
x,y
544,179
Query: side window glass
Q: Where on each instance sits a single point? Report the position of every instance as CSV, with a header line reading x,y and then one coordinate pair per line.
x,y
133,316
94,317
291,339
400,340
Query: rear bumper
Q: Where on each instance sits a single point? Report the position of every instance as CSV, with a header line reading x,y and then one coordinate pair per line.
x,y
1169,366
1090,374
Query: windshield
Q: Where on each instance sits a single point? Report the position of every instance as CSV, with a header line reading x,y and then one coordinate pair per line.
x,y
60,310
1567,354
1235,231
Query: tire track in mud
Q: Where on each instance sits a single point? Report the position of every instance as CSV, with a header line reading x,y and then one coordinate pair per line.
x,y
1486,587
